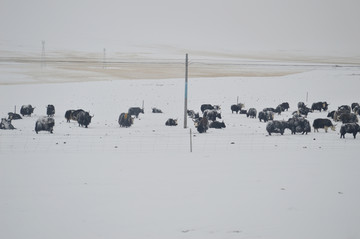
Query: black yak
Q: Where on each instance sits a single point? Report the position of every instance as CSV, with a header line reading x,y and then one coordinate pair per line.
x,y
323,124
26,110
299,125
50,110
14,116
84,118
204,107
236,108
202,124
6,124
351,128
251,112
217,125
212,115
265,115
155,110
125,120
320,106
72,114
285,106
135,111
45,124
171,122
276,126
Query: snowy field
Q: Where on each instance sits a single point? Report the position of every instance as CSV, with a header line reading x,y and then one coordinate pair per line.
x,y
143,182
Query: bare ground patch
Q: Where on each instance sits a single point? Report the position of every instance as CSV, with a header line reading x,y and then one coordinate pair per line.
x,y
60,67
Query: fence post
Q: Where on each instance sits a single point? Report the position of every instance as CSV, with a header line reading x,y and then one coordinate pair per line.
x,y
190,141
307,96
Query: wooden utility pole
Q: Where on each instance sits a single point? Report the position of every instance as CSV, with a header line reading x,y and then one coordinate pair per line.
x,y
186,91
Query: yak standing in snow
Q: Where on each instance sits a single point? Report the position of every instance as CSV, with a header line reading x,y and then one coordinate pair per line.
x,y
276,126
236,107
50,110
348,118
323,124
125,120
285,106
72,114
320,106
251,112
266,116
303,109
331,114
201,124
68,115
342,110
212,114
204,107
45,124
27,110
299,125
84,119
135,111
351,128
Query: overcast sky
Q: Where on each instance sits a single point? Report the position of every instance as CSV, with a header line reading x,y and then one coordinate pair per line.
x,y
322,25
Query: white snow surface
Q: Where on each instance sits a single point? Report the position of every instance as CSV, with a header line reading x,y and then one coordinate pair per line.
x,y
143,182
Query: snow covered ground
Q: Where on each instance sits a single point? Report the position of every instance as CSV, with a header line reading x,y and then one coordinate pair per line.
x,y
142,182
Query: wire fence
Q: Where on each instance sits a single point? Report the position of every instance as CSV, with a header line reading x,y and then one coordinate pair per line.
x,y
126,141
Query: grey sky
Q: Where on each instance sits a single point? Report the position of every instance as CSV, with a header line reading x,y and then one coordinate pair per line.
x,y
321,25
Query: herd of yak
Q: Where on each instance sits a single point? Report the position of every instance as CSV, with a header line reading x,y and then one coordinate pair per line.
x,y
298,123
